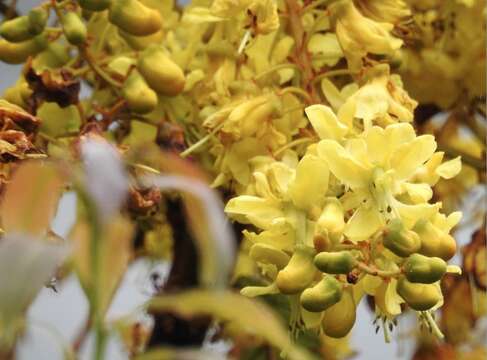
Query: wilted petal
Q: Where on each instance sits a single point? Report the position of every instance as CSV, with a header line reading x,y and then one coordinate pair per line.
x,y
343,165
310,183
106,179
325,123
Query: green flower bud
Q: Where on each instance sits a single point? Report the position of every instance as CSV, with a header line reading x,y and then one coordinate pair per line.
x,y
339,319
338,262
298,273
323,295
435,242
74,28
400,241
423,269
25,27
420,297
268,254
140,97
17,53
134,17
94,5
160,72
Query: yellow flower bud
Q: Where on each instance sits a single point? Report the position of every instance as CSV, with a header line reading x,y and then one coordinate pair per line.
x,y
298,273
160,72
420,297
268,254
331,222
323,295
399,240
140,97
141,42
134,17
423,269
17,53
339,319
338,262
24,27
435,242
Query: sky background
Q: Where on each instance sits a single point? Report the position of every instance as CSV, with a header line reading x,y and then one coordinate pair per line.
x,y
65,311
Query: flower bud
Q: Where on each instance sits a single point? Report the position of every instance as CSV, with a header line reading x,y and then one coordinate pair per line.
x,y
435,242
24,27
339,319
141,42
420,297
37,20
298,273
338,262
331,221
160,72
140,97
94,5
17,53
424,269
134,17
74,28
400,241
268,254
323,295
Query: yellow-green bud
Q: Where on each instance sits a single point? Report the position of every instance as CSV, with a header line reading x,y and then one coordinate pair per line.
x,y
424,269
134,17
435,242
298,273
268,254
337,262
37,20
74,28
420,297
160,72
323,295
17,53
140,97
95,5
339,319
399,240
141,42
25,27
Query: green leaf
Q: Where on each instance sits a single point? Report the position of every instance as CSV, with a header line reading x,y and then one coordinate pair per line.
x,y
250,315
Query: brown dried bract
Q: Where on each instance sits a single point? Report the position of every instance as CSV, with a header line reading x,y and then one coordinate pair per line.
x,y
170,137
53,86
142,200
13,116
14,145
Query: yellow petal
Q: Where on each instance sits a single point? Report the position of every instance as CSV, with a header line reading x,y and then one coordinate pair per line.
x,y
363,223
410,156
343,165
449,169
310,183
410,214
253,210
325,123
419,193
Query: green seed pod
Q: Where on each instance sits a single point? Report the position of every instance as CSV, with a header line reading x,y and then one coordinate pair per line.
x,y
141,42
74,28
420,297
140,97
339,319
95,5
424,269
337,262
17,53
435,242
134,17
400,241
323,295
298,273
160,72
38,19
268,254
